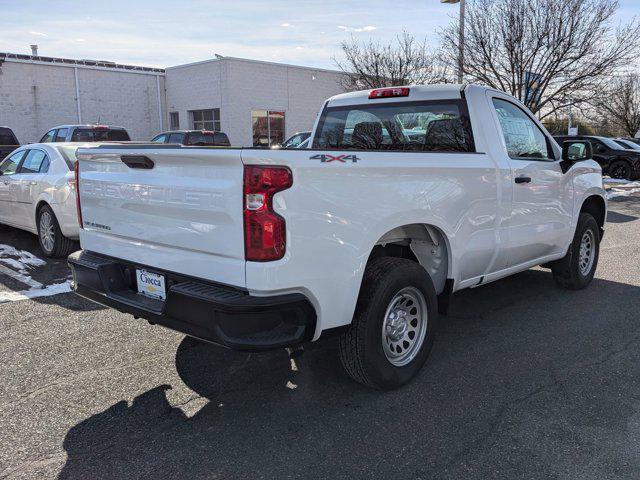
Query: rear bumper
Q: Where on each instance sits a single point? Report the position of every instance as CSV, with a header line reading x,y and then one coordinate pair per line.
x,y
215,313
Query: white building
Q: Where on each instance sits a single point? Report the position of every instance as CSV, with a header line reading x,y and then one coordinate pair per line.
x,y
254,102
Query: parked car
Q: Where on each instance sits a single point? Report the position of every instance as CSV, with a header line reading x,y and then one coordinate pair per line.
x,y
616,161
632,140
202,138
8,142
37,194
294,140
85,133
367,235
625,143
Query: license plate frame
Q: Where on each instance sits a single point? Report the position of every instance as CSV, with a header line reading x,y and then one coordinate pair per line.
x,y
151,284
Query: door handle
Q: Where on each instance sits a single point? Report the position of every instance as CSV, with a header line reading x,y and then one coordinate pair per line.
x,y
523,179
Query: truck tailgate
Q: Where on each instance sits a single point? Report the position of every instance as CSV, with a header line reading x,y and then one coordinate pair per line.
x,y
179,210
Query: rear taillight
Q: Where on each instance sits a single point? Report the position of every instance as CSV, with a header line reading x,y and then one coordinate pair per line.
x,y
264,230
76,176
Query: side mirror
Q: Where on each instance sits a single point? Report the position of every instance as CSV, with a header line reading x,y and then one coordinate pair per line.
x,y
575,151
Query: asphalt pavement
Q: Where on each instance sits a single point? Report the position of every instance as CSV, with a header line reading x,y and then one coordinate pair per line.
x,y
525,381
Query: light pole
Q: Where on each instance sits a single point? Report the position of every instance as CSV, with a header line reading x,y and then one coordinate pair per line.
x,y
461,38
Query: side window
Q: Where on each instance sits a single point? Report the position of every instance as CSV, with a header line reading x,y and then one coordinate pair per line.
x,y
33,162
160,138
44,168
61,136
10,165
598,146
48,137
176,138
523,137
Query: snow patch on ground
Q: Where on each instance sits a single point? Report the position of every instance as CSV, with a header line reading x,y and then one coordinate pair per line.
x,y
54,289
621,188
21,260
621,192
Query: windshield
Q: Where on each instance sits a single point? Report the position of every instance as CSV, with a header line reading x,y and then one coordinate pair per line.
x,y
628,145
609,143
408,126
296,140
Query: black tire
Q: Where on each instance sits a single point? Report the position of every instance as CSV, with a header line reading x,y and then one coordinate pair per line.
x,y
361,346
62,246
567,272
620,169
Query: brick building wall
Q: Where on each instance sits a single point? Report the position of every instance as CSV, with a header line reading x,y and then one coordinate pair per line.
x,y
36,96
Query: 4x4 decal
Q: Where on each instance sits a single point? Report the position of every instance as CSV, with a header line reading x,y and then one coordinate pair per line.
x,y
325,158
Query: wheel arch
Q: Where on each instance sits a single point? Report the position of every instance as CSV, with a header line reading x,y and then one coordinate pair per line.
x,y
597,207
424,243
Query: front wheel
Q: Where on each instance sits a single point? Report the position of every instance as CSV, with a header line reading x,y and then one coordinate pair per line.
x,y
576,270
52,242
394,324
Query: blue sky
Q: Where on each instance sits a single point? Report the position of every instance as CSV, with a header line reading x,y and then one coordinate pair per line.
x,y
159,33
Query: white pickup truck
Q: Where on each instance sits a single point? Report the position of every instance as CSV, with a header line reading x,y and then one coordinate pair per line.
x,y
405,196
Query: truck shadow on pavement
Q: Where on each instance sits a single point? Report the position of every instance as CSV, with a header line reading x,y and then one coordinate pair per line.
x,y
519,366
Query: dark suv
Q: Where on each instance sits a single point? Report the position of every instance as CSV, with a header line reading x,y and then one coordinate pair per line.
x,y
616,161
203,138
85,133
8,142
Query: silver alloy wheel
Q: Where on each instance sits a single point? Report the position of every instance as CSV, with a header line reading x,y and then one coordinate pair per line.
x,y
405,326
587,252
47,231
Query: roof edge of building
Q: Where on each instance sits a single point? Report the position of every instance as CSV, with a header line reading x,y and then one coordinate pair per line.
x,y
249,60
69,62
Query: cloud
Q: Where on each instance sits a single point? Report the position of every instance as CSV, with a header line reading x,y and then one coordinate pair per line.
x,y
367,28
285,25
40,34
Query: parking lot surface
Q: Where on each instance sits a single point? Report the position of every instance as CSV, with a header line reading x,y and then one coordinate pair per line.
x,y
525,380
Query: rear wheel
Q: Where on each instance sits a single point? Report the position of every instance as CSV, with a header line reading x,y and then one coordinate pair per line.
x,y
576,270
620,170
52,242
394,324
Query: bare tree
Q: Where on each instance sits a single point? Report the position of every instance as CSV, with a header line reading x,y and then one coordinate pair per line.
x,y
621,104
402,62
561,48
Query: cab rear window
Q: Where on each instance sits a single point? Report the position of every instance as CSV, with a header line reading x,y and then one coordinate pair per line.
x,y
441,126
99,135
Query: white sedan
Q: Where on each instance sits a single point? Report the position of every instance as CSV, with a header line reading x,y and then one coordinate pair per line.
x,y
37,194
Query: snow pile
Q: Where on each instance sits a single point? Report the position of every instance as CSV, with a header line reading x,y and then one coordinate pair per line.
x,y
617,187
18,265
23,261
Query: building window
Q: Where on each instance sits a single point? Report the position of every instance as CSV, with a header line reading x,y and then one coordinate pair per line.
x,y
174,121
206,119
268,128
